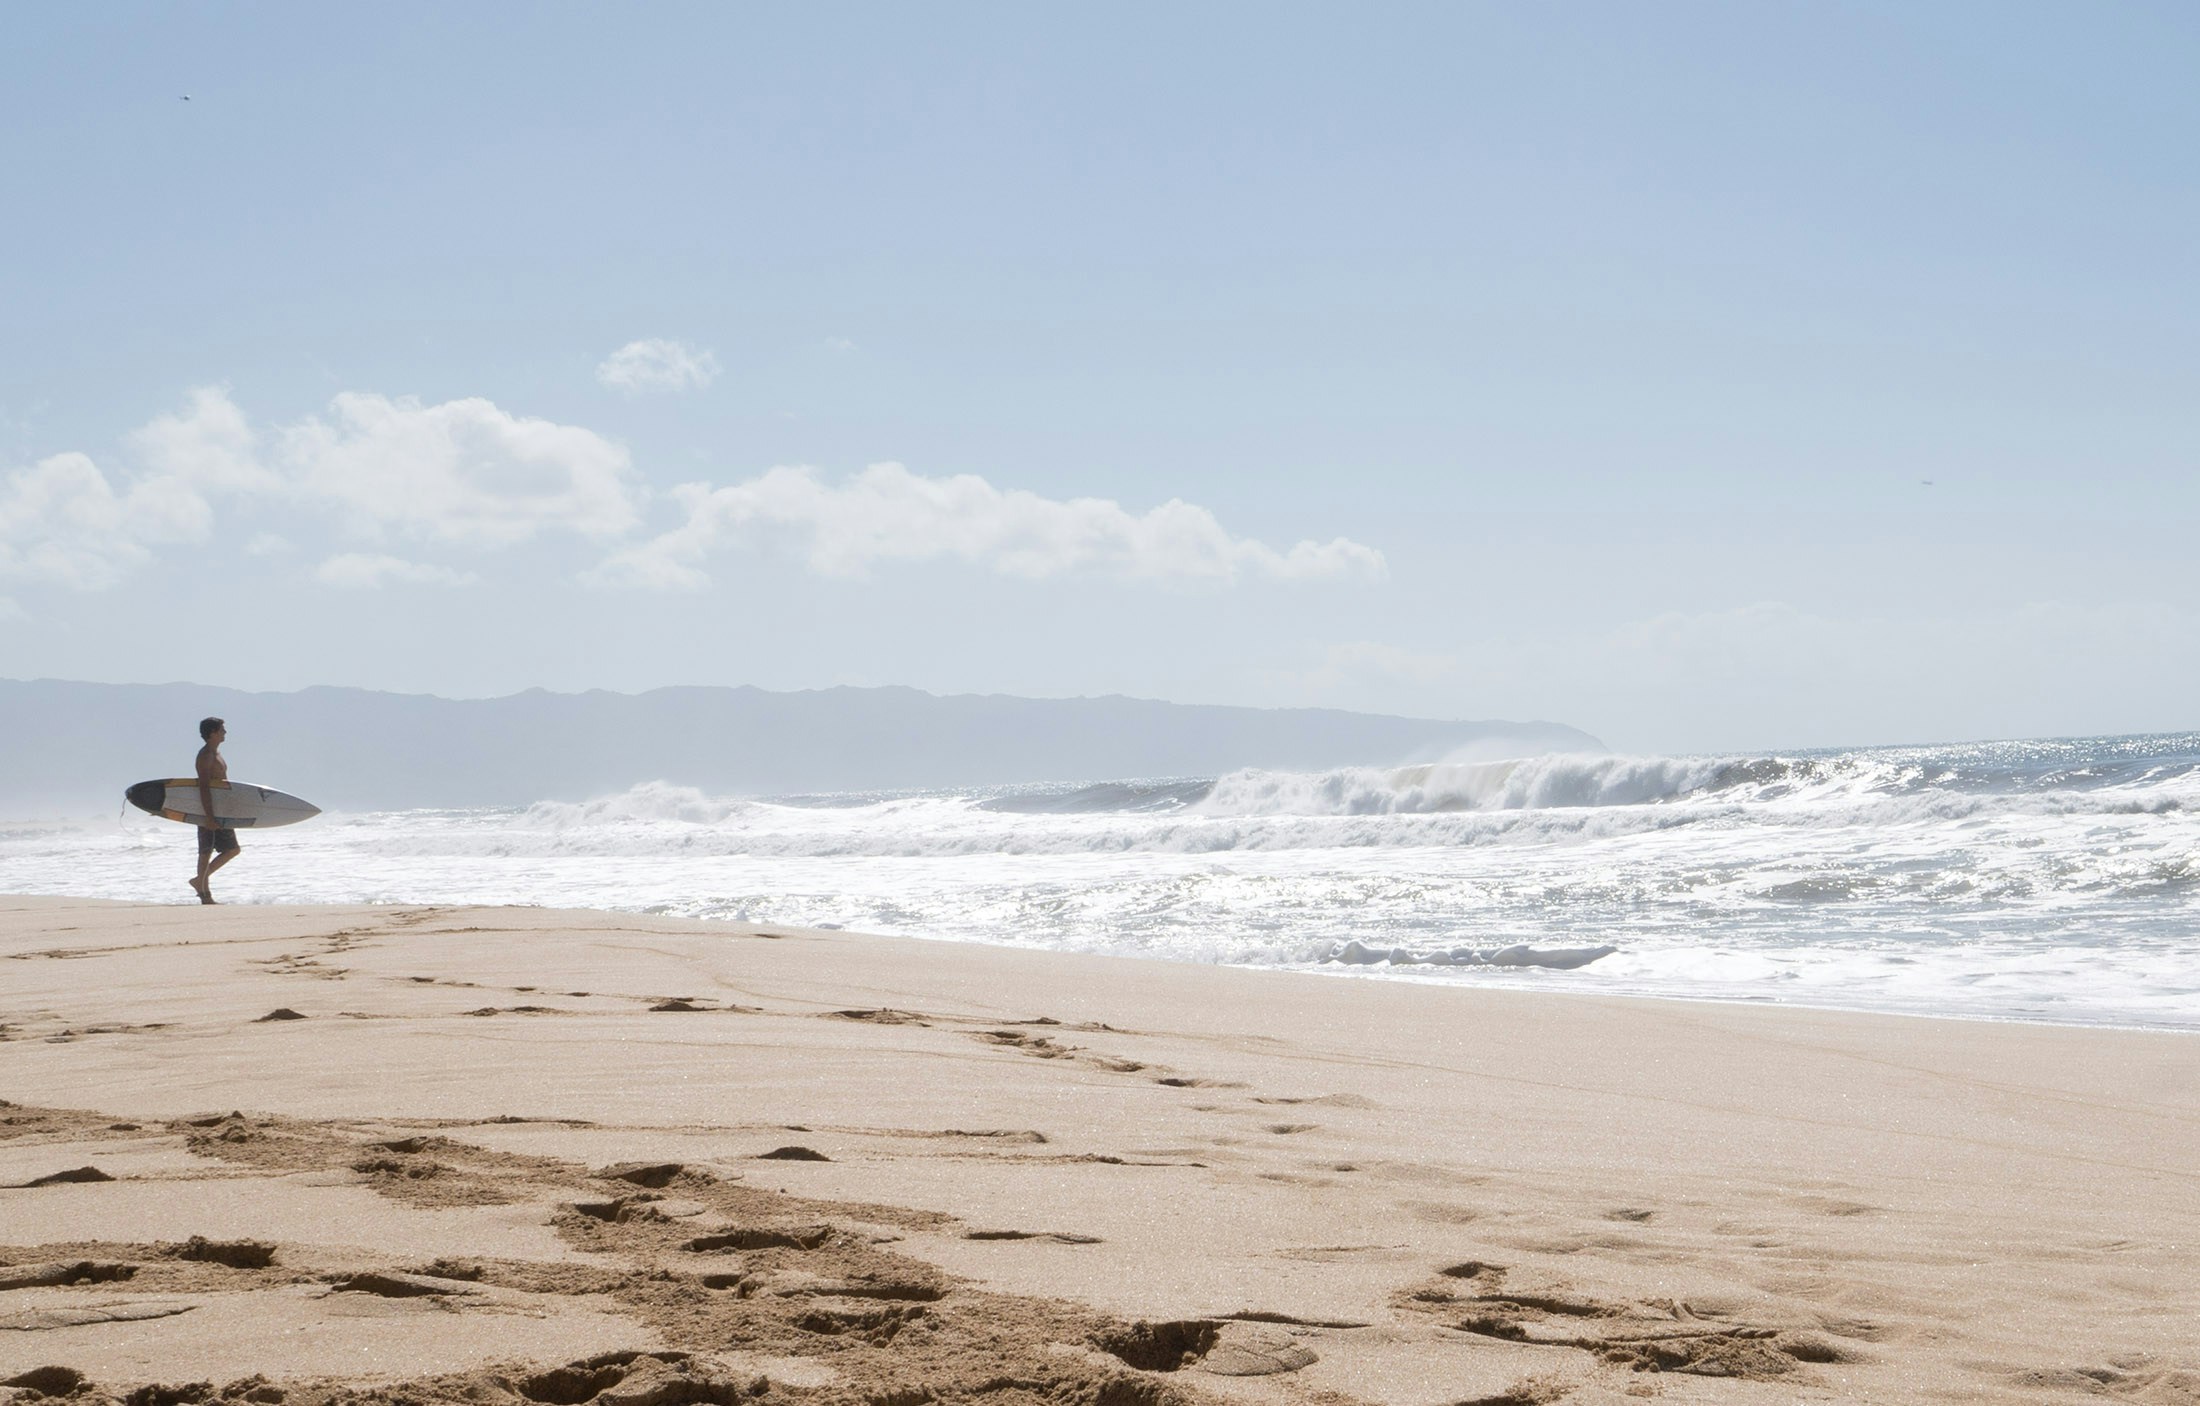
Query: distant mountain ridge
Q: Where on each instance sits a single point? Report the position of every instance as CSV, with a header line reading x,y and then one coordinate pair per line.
x,y
76,745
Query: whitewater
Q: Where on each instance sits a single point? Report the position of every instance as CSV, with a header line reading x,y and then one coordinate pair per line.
x,y
2046,880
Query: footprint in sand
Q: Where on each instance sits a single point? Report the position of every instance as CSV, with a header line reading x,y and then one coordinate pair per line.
x,y
1646,1336
58,1274
656,1176
42,1319
50,1381
801,1237
1041,1047
1324,1101
1226,1348
1334,1254
73,1174
235,1254
881,1016
398,1286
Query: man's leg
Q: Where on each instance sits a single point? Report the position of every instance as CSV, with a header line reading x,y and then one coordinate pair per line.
x,y
226,848
206,855
216,848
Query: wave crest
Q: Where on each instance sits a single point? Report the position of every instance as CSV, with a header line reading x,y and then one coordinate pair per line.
x,y
1560,781
650,801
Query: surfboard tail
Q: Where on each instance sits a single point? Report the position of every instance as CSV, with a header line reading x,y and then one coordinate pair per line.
x,y
148,796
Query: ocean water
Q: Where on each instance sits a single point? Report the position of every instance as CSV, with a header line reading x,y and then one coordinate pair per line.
x,y
2050,880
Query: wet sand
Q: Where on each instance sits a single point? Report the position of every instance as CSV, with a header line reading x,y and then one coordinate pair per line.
x,y
514,1155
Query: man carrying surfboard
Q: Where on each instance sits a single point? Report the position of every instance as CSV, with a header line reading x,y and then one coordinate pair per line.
x,y
217,844
190,800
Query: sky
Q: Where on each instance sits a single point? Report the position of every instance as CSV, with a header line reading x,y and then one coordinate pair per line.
x,y
1712,377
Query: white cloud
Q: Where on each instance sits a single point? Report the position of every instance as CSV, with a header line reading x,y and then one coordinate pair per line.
x,y
210,445
63,523
9,610
463,471
657,364
839,344
467,473
362,571
888,514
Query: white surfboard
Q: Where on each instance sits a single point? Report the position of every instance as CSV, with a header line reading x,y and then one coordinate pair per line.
x,y
237,804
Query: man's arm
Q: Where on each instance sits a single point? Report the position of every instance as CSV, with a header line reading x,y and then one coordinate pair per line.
x,y
209,770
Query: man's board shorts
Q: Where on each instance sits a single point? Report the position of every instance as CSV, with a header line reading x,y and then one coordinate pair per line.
x,y
212,841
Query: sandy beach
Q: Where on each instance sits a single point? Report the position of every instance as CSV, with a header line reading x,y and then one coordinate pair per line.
x,y
518,1155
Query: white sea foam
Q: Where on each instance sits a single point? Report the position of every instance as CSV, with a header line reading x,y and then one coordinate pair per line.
x,y
1534,783
2049,880
650,801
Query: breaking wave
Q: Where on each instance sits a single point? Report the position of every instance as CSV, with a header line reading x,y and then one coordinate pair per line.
x,y
1555,799
649,802
2056,880
1534,783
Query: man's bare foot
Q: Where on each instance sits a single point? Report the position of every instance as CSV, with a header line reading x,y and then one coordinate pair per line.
x,y
199,887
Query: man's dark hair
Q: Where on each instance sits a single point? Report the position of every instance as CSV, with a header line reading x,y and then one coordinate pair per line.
x,y
207,726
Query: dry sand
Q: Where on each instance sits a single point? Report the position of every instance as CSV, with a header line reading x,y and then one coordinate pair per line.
x,y
509,1155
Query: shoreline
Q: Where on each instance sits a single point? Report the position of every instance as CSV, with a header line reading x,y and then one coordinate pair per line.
x,y
1430,976
1745,1002
1008,1160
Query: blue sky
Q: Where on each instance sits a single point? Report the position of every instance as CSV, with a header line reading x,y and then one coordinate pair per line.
x,y
1599,354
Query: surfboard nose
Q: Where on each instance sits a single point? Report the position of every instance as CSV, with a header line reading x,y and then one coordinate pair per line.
x,y
147,795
